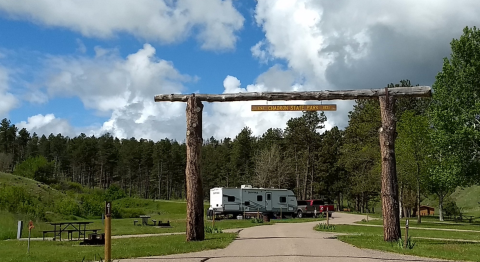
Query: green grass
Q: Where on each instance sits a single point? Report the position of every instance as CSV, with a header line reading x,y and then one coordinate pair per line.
x,y
372,238
452,250
15,251
30,185
378,231
468,200
429,222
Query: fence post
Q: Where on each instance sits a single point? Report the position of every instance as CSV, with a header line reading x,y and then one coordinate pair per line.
x,y
328,222
108,235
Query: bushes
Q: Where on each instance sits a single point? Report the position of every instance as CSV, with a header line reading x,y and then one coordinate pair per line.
x,y
68,207
92,204
37,168
114,192
17,200
450,208
131,212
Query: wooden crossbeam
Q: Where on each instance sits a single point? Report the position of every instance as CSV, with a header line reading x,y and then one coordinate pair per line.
x,y
386,97
415,91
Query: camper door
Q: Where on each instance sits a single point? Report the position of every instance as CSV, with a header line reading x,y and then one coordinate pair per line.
x,y
268,201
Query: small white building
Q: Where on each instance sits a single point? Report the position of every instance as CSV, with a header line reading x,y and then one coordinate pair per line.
x,y
237,201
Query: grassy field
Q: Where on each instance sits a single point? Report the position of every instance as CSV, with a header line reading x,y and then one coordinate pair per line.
x,y
429,222
453,250
372,238
15,251
50,201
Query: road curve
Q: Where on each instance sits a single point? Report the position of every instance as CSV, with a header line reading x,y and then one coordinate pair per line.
x,y
284,242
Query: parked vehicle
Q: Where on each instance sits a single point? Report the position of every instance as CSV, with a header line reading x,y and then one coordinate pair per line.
x,y
248,200
313,207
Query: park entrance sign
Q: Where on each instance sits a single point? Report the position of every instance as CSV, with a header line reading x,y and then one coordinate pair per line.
x,y
294,107
194,141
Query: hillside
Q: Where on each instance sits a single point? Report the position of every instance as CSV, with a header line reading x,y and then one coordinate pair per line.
x,y
25,199
31,186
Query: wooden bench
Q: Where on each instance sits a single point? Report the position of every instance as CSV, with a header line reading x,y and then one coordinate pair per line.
x,y
48,231
135,222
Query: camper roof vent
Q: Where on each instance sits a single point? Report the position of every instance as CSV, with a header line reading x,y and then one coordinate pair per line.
x,y
246,186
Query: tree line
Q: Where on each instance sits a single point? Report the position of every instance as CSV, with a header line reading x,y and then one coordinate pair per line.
x,y
437,150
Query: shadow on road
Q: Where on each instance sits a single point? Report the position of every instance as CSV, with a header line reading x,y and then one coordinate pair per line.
x,y
260,238
205,259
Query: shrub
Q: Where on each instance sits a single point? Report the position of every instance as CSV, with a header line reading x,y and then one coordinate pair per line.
x,y
323,226
68,207
17,200
128,212
450,207
37,168
256,220
400,244
114,192
92,205
213,230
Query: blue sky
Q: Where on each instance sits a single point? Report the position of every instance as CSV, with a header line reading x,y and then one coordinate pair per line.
x,y
59,77
187,56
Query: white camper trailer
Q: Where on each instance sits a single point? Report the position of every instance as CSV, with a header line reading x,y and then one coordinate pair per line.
x,y
238,201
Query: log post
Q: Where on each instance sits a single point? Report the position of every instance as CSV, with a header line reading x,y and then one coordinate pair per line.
x,y
390,205
195,213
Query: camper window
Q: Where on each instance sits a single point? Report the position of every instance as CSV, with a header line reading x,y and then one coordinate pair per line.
x,y
247,203
269,197
231,199
283,199
259,198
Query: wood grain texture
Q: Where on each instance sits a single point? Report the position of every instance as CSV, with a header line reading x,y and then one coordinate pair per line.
x,y
194,141
416,91
390,202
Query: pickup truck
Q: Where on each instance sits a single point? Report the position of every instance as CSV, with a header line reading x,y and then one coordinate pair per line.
x,y
313,208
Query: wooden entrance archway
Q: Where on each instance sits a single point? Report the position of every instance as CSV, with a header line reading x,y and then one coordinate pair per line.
x,y
387,133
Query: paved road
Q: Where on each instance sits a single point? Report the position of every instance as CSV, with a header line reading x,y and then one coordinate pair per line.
x,y
284,242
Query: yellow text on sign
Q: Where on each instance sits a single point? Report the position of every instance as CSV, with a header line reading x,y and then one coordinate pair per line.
x,y
294,107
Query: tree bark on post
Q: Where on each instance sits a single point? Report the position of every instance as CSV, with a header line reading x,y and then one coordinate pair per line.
x,y
390,203
195,223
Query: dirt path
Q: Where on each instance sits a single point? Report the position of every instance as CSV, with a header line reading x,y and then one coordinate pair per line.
x,y
287,242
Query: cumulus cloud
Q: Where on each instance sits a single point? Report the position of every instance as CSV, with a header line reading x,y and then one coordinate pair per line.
x,y
8,100
218,116
349,44
166,21
46,125
123,90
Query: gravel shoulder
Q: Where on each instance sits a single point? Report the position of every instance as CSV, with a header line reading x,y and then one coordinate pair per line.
x,y
287,242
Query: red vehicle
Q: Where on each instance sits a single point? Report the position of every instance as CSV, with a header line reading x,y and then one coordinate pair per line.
x,y
313,207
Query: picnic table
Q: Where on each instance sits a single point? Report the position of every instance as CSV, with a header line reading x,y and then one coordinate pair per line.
x,y
70,228
470,218
144,220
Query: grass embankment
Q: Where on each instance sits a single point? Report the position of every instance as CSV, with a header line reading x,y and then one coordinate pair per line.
x,y
466,199
428,222
15,251
372,238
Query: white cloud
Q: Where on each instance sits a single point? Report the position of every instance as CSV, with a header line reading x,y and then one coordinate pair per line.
x,y
81,46
8,100
218,119
109,82
330,41
123,90
47,124
165,21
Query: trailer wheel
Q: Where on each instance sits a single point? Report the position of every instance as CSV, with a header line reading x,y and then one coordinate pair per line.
x,y
299,214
